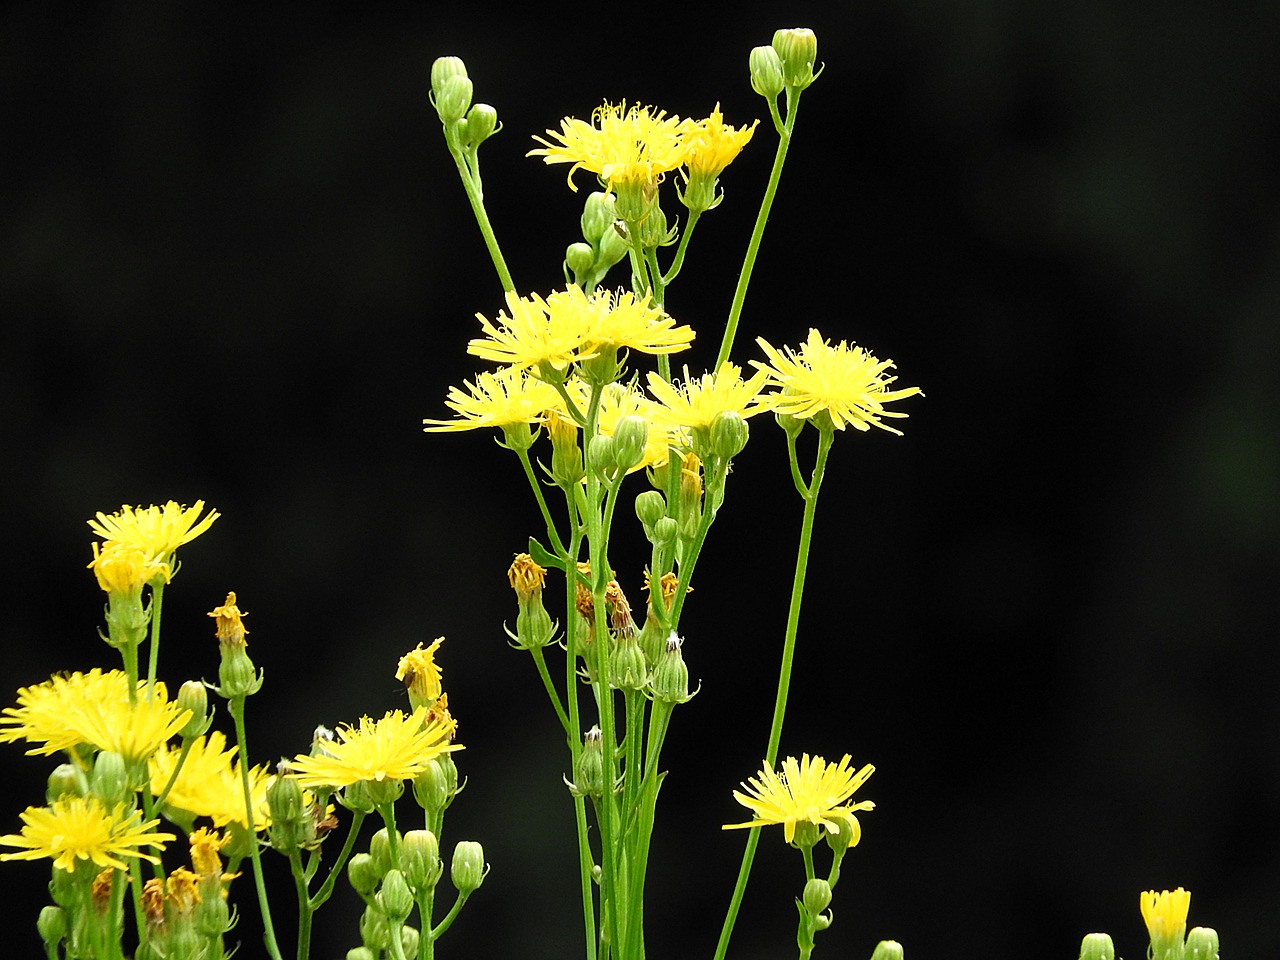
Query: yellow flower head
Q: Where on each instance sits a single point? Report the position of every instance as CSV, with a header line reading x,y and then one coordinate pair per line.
x,y
209,782
80,828
533,332
397,747
125,568
156,531
699,400
622,145
421,674
713,145
94,708
1165,913
229,623
620,321
183,890
526,577
844,382
807,790
499,400
205,847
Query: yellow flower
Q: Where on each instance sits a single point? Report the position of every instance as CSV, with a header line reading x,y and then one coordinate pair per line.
x,y
500,399
713,145
156,531
397,747
622,145
622,322
618,401
421,674
205,846
699,400
80,828
125,568
844,382
228,621
1165,913
533,332
94,708
209,783
809,790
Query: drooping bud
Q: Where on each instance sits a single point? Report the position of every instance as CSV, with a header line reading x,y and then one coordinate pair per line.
x,y
468,869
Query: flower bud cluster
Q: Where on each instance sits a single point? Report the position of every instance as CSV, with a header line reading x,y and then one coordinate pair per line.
x,y
466,124
604,242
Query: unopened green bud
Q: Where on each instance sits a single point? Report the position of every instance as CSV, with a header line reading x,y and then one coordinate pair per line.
x,y
363,874
52,925
651,506
409,939
598,216
580,259
600,455
482,123
468,869
1097,946
109,781
613,247
193,696
887,950
284,799
671,677
361,953
807,835
589,773
627,665
450,89
845,835
766,72
395,898
66,780
729,434
798,50
358,797
665,530
653,229
817,896
566,455
420,861
790,425
431,788
1202,944
380,850
630,435
445,67
375,928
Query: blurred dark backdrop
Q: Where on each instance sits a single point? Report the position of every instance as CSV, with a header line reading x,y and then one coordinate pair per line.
x,y
238,266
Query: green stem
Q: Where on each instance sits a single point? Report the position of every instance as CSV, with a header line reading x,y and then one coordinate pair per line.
x,y
305,910
449,917
326,888
757,232
678,262
153,655
236,708
475,194
427,936
552,535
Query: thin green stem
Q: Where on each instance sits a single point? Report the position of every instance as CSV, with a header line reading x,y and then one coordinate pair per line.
x,y
305,910
235,707
153,655
556,545
674,270
757,232
574,733
427,936
552,694
447,921
470,174
326,888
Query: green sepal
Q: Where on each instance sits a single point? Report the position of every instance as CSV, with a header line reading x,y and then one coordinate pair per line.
x,y
544,557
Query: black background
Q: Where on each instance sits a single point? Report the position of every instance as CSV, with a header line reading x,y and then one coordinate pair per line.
x,y
238,265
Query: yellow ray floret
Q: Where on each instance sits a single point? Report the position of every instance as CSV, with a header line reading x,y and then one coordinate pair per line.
x,y
713,144
621,145
397,747
845,382
79,828
807,790
697,401
1165,913
156,531
209,782
499,400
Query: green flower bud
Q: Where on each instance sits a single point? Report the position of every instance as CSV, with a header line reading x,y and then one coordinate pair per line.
x,y
432,788
237,676
361,953
395,898
589,773
291,828
846,835
817,896
600,456
671,676
363,874
193,696
358,797
409,940
468,868
65,890
52,925
109,781
798,50
566,455
729,434
1097,946
629,437
66,780
651,506
420,860
653,229
627,665
1202,944
482,123
598,217
580,260
380,850
451,96
766,72
213,916
613,247
887,950
445,67
790,425
665,531
375,928
807,835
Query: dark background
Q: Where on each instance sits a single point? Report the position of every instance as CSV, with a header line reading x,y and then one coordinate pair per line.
x,y
238,265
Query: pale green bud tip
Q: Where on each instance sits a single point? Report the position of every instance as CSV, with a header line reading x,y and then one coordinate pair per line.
x,y
797,48
52,924
651,506
395,898
193,696
1097,946
66,780
729,434
482,123
766,72
887,950
109,781
629,438
363,874
580,258
361,953
817,896
453,97
1202,944
598,216
420,859
468,868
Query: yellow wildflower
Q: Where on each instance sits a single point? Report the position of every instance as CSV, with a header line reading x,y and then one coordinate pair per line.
x,y
228,621
526,577
808,790
622,145
620,321
1165,914
80,828
209,783
156,531
844,382
125,568
532,332
699,400
500,399
205,846
713,144
397,747
421,674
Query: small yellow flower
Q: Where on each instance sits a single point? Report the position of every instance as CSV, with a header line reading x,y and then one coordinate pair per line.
x,y
183,890
1165,913
80,828
699,400
94,708
807,790
622,145
397,747
421,674
209,783
205,846
500,399
713,145
156,531
623,322
228,622
533,332
526,577
125,568
844,382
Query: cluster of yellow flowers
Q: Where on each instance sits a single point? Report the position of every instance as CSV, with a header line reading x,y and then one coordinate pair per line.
x,y
139,543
